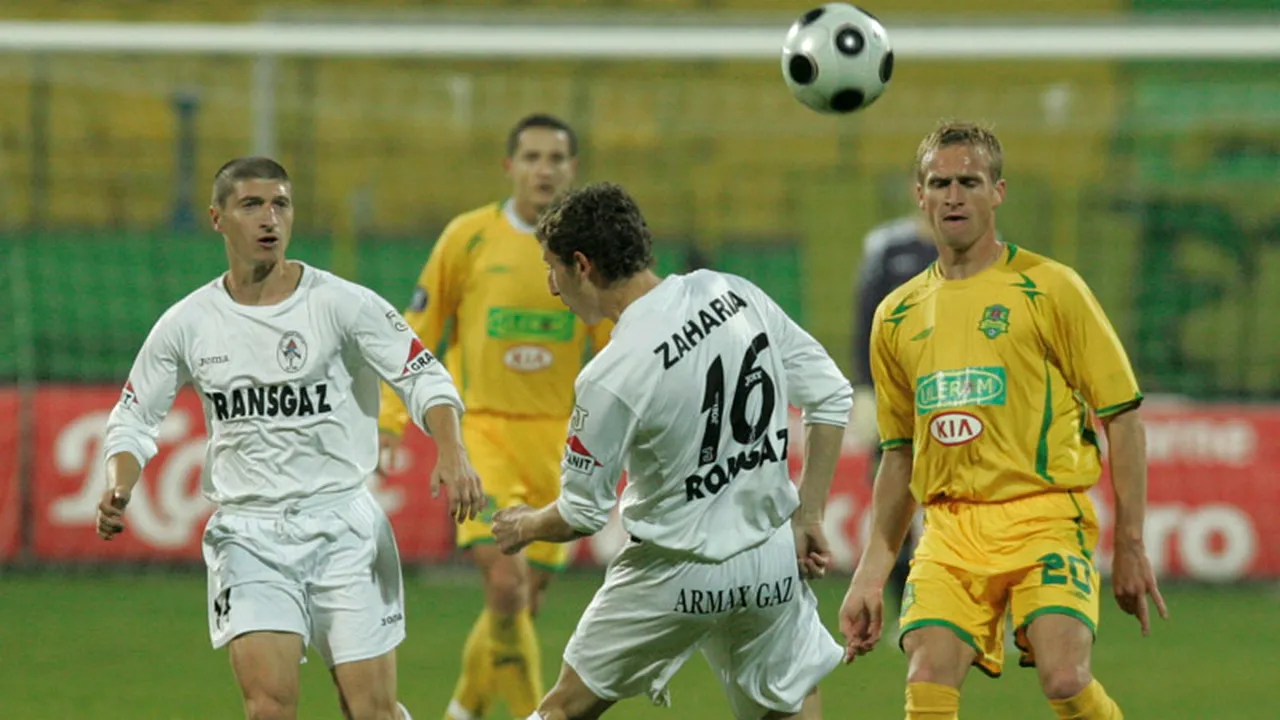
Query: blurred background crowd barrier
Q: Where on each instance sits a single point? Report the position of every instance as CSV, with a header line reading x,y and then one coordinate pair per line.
x,y
1141,148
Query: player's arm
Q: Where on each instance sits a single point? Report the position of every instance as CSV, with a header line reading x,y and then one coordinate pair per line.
x,y
424,386
861,613
599,436
816,386
1127,447
824,396
157,374
435,300
1094,362
891,503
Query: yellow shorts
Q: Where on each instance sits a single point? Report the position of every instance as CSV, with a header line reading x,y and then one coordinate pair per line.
x,y
518,461
978,562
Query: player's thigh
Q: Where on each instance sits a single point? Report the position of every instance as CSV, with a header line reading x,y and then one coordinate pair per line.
x,y
639,628
1061,587
356,595
367,688
496,461
265,665
951,618
772,649
506,578
539,476
252,585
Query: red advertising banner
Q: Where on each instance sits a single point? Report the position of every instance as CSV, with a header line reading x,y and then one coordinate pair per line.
x,y
1213,514
10,504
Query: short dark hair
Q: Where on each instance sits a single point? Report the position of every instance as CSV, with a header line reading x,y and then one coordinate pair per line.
x,y
541,120
603,222
244,168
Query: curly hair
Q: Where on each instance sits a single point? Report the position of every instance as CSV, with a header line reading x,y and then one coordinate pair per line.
x,y
603,222
957,132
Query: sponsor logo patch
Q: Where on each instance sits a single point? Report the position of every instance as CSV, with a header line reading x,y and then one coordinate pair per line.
x,y
967,387
955,428
527,358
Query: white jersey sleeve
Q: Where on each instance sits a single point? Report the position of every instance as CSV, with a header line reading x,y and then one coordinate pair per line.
x,y
600,435
388,345
814,384
158,372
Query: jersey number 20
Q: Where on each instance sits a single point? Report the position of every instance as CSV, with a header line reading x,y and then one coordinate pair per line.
x,y
745,430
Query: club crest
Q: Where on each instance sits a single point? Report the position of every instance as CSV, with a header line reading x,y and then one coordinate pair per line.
x,y
291,352
994,322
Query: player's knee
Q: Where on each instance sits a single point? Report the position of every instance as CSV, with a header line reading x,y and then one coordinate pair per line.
x,y
269,706
933,662
1060,683
507,586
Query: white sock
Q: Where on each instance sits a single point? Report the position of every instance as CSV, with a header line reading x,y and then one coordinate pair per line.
x,y
404,712
534,716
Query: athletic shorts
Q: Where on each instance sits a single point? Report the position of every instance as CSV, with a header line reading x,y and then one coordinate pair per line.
x,y
326,569
978,561
518,461
753,618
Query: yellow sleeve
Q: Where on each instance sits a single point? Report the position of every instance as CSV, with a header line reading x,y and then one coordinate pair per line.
x,y
1089,352
895,402
600,333
435,300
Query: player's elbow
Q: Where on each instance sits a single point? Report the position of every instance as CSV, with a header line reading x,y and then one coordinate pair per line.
x,y
834,409
1126,421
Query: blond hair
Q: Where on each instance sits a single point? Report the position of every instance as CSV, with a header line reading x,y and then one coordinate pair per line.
x,y
958,132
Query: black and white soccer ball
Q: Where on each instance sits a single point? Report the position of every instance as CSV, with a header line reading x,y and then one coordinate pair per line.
x,y
837,59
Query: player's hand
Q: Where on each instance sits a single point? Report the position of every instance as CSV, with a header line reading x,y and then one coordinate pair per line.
x,y
813,552
1132,580
111,513
461,485
388,443
508,530
861,618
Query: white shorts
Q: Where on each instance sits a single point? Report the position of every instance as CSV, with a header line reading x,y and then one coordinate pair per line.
x,y
324,568
752,616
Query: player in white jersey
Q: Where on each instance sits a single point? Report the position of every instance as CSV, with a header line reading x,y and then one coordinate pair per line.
x,y
287,359
690,398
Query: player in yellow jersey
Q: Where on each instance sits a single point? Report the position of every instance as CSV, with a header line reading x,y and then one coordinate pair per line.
x,y
514,350
987,366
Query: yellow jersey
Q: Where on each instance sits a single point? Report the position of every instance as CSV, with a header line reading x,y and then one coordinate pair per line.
x,y
483,303
991,379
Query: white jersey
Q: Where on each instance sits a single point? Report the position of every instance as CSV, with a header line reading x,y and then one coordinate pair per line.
x,y
690,397
290,391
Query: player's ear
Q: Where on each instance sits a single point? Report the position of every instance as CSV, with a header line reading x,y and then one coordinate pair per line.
x,y
920,196
215,218
506,165
581,264
999,189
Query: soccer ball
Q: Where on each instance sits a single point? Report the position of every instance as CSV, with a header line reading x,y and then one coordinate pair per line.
x,y
837,59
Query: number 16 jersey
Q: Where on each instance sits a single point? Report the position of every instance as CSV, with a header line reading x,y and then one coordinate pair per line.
x,y
690,397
